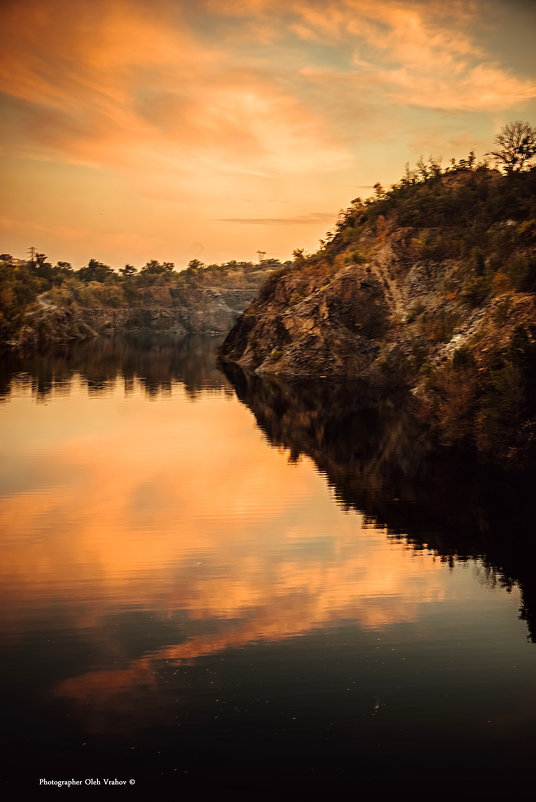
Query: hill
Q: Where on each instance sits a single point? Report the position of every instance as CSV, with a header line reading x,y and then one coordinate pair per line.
x,y
41,304
430,285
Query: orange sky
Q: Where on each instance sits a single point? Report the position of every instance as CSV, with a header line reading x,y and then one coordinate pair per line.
x,y
175,129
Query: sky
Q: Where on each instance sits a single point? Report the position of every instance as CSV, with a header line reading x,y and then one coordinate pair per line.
x,y
133,130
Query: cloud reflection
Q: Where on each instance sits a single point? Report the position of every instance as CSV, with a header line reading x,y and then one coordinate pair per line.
x,y
144,511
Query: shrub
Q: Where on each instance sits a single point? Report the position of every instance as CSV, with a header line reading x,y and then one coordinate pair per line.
x,y
475,290
516,268
463,358
415,311
355,257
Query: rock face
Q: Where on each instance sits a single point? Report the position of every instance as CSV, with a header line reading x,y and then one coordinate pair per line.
x,y
207,310
368,320
312,324
448,310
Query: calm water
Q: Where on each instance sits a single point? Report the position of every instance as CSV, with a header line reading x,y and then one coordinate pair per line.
x,y
219,584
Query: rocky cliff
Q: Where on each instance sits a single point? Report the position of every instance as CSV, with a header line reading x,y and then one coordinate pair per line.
x,y
430,286
198,310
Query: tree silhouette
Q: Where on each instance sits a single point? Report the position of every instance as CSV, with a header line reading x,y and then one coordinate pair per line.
x,y
516,146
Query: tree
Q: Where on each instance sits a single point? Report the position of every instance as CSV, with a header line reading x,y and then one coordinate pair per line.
x,y
42,268
154,268
379,192
422,169
516,146
95,271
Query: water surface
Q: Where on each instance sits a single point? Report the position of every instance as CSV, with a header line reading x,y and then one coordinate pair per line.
x,y
226,583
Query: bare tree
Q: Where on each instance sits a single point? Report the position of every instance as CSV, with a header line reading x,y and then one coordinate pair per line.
x,y
516,146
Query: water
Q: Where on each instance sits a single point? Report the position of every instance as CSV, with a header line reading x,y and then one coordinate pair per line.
x,y
226,584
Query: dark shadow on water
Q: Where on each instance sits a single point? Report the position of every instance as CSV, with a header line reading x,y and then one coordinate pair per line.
x,y
381,460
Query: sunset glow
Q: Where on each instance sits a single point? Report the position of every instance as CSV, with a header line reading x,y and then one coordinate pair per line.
x,y
178,129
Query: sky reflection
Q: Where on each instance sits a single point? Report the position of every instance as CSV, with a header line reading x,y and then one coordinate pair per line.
x,y
171,573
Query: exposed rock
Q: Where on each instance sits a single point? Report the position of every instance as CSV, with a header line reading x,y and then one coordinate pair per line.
x,y
408,305
205,310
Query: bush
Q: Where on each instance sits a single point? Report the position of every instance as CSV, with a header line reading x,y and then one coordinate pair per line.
x,y
475,290
463,358
415,311
440,327
355,257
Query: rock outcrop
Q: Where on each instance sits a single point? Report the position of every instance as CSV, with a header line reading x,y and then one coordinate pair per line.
x,y
368,320
204,310
445,306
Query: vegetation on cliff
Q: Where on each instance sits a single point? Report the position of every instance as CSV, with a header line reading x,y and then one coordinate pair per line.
x,y
430,284
42,303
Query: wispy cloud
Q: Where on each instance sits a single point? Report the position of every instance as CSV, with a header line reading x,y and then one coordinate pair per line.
x,y
114,83
302,219
423,54
110,81
200,104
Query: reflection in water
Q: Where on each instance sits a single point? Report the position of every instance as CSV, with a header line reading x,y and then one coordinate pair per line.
x,y
155,361
177,591
380,459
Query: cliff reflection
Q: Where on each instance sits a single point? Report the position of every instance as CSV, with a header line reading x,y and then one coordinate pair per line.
x,y
179,513
155,361
175,520
379,459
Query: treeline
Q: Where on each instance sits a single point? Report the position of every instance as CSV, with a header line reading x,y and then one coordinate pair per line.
x,y
465,200
24,284
468,210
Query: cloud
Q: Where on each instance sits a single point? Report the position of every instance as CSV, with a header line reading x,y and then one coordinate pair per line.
x,y
109,82
425,54
138,528
417,53
480,88
202,104
303,219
